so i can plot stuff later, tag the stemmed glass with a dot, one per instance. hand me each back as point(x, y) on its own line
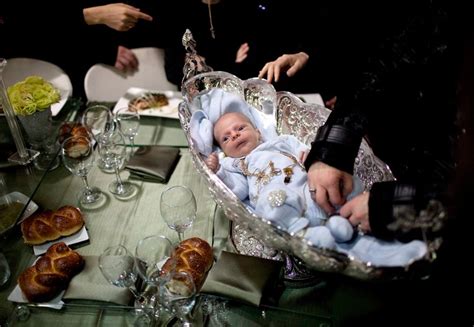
point(112, 151)
point(178, 295)
point(128, 122)
point(78, 157)
point(178, 208)
point(151, 253)
point(98, 119)
point(117, 265)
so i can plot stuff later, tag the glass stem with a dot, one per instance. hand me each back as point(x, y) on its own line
point(86, 184)
point(180, 236)
point(119, 180)
point(132, 142)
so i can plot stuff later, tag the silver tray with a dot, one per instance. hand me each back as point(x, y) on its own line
point(255, 235)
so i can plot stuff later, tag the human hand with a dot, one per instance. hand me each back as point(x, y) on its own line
point(242, 53)
point(303, 155)
point(126, 59)
point(357, 211)
point(118, 16)
point(291, 63)
point(331, 185)
point(212, 162)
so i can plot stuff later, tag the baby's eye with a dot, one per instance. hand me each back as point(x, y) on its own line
point(225, 139)
point(241, 127)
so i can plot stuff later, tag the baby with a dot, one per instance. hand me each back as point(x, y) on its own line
point(271, 177)
point(264, 170)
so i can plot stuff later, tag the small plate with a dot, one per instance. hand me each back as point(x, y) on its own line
point(17, 296)
point(169, 111)
point(17, 197)
point(79, 237)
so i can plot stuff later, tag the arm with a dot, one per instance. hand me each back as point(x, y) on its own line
point(118, 16)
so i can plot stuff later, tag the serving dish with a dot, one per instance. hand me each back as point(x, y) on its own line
point(168, 111)
point(253, 234)
point(17, 69)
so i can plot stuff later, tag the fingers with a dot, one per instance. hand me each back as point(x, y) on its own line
point(346, 186)
point(321, 197)
point(142, 15)
point(126, 59)
point(335, 196)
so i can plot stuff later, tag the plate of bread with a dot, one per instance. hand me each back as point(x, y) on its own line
point(151, 102)
point(47, 279)
point(44, 228)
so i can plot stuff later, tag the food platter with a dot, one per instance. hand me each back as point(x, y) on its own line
point(155, 102)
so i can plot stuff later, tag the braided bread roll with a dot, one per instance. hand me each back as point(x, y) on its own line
point(50, 225)
point(193, 256)
point(51, 273)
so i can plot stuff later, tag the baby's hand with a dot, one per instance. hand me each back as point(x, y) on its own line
point(303, 155)
point(213, 162)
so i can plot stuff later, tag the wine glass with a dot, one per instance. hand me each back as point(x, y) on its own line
point(112, 150)
point(151, 253)
point(178, 295)
point(78, 158)
point(128, 122)
point(117, 265)
point(178, 208)
point(98, 119)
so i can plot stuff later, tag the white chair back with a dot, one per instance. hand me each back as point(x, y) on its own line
point(106, 83)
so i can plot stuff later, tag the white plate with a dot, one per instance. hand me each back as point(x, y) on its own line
point(17, 69)
point(17, 296)
point(19, 197)
point(78, 237)
point(169, 111)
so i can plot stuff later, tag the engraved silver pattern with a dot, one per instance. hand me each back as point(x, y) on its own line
point(255, 235)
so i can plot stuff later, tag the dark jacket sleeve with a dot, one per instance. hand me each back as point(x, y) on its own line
point(393, 58)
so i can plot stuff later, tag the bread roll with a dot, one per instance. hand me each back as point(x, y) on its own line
point(50, 225)
point(72, 129)
point(193, 256)
point(51, 273)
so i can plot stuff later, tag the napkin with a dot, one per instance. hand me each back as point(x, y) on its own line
point(90, 284)
point(245, 278)
point(153, 163)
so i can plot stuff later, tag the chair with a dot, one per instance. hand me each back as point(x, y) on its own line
point(106, 83)
point(17, 69)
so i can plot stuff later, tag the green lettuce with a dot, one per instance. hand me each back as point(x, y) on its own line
point(32, 95)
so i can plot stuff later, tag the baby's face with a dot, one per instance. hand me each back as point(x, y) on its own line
point(236, 135)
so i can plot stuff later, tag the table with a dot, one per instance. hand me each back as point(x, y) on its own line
point(335, 300)
point(125, 222)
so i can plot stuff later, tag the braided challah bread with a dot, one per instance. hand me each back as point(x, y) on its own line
point(51, 273)
point(193, 256)
point(72, 129)
point(51, 225)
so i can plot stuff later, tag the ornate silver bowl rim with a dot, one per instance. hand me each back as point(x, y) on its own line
point(292, 116)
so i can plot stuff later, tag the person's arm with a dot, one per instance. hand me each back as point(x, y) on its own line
point(118, 16)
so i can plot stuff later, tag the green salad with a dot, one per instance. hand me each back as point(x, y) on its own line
point(32, 95)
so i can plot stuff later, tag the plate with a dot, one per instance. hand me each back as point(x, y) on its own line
point(17, 69)
point(169, 111)
point(17, 197)
point(79, 237)
point(17, 296)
